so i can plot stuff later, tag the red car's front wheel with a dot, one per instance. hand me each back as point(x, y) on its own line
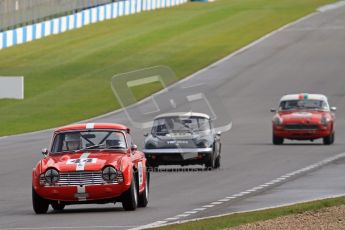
point(39, 204)
point(130, 197)
point(144, 196)
point(329, 139)
point(277, 140)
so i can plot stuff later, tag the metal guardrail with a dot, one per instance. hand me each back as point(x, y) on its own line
point(59, 24)
point(15, 13)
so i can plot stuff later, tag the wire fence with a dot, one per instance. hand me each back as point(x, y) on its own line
point(15, 13)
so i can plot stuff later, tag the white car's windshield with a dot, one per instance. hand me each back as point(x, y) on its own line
point(303, 105)
point(83, 140)
point(163, 126)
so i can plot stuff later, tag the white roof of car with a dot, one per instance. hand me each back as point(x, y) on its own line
point(183, 114)
point(290, 97)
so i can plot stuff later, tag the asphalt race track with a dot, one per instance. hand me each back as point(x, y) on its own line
point(306, 57)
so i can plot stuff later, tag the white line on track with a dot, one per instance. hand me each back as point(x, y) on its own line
point(199, 209)
point(216, 203)
point(72, 227)
point(171, 218)
point(191, 212)
point(332, 6)
point(237, 195)
point(3, 137)
point(192, 86)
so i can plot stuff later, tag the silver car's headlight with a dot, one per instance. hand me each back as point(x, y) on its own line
point(109, 174)
point(203, 144)
point(150, 146)
point(52, 176)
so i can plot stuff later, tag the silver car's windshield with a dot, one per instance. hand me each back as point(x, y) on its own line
point(303, 105)
point(86, 140)
point(166, 125)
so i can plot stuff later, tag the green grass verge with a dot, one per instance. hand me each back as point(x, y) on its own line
point(67, 76)
point(250, 217)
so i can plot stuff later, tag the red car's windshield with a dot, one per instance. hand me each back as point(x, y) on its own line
point(303, 105)
point(82, 140)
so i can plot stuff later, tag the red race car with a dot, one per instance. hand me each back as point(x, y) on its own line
point(90, 163)
point(303, 117)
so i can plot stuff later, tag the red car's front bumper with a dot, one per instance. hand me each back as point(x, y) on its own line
point(320, 132)
point(81, 193)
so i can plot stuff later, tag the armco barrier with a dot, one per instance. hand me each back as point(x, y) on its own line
point(80, 19)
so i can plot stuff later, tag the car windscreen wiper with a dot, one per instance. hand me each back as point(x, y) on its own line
point(115, 147)
point(89, 147)
point(182, 131)
point(160, 133)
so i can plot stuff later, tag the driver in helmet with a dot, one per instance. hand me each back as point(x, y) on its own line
point(73, 141)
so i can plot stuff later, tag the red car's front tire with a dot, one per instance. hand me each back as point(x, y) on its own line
point(39, 204)
point(277, 140)
point(144, 196)
point(130, 197)
point(329, 139)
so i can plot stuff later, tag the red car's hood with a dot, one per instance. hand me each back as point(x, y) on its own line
point(302, 116)
point(89, 161)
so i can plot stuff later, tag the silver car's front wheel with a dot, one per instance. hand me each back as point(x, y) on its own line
point(210, 162)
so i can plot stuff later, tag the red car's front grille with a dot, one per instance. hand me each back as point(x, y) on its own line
point(83, 178)
point(301, 127)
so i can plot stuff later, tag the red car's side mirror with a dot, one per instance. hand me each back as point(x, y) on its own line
point(134, 147)
point(45, 152)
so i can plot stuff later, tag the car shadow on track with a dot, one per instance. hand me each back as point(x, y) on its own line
point(86, 210)
point(302, 144)
point(181, 169)
point(288, 144)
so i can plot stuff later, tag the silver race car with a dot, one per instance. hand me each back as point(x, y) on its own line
point(183, 139)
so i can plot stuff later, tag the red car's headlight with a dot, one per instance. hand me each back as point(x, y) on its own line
point(325, 121)
point(278, 120)
point(51, 176)
point(109, 174)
